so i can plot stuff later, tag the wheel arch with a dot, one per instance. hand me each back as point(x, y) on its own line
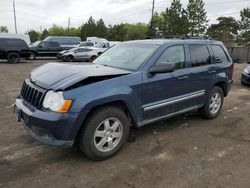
point(223, 86)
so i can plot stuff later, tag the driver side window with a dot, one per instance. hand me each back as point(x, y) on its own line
point(174, 54)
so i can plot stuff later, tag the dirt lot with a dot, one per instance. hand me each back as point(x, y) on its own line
point(186, 151)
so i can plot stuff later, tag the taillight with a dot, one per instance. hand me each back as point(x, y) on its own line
point(232, 70)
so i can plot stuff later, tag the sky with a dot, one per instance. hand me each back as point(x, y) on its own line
point(40, 14)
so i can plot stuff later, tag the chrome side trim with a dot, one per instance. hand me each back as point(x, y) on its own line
point(173, 100)
point(168, 116)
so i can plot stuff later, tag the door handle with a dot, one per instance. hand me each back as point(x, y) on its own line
point(183, 77)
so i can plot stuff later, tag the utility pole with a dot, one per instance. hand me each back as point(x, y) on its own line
point(14, 9)
point(68, 23)
point(151, 32)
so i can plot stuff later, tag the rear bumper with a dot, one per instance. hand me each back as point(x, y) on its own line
point(48, 127)
point(229, 85)
point(245, 78)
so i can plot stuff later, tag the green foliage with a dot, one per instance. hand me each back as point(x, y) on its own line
point(34, 35)
point(93, 28)
point(244, 37)
point(4, 29)
point(197, 17)
point(171, 22)
point(135, 31)
point(225, 30)
point(56, 31)
point(44, 34)
point(117, 32)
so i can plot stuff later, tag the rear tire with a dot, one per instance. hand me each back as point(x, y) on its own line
point(13, 57)
point(104, 133)
point(214, 103)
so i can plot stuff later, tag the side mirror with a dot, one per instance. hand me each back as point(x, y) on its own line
point(40, 46)
point(162, 68)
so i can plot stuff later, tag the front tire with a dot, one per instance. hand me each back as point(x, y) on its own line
point(105, 133)
point(213, 106)
point(32, 56)
point(13, 58)
point(69, 58)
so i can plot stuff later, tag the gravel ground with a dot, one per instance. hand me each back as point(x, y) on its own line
point(186, 151)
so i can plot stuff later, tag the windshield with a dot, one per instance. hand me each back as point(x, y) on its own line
point(36, 43)
point(129, 56)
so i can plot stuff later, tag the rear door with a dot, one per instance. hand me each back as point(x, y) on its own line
point(53, 48)
point(201, 72)
point(165, 94)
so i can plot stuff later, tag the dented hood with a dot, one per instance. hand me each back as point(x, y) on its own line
point(57, 76)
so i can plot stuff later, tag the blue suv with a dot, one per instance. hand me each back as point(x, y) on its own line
point(132, 84)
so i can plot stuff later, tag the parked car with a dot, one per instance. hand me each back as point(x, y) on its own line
point(64, 40)
point(95, 40)
point(96, 104)
point(83, 44)
point(45, 49)
point(13, 49)
point(245, 77)
point(78, 54)
point(24, 37)
point(100, 47)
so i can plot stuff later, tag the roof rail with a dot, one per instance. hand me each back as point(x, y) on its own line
point(195, 37)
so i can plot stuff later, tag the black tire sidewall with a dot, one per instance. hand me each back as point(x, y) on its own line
point(34, 56)
point(13, 54)
point(86, 140)
point(69, 59)
point(93, 58)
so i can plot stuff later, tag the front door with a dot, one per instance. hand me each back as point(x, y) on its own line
point(166, 93)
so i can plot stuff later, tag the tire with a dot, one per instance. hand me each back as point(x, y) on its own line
point(99, 139)
point(69, 58)
point(13, 57)
point(93, 58)
point(214, 104)
point(100, 53)
point(32, 56)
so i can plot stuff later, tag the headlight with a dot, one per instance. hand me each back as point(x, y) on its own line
point(246, 71)
point(55, 102)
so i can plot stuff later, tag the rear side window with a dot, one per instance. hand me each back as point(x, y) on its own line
point(174, 54)
point(199, 55)
point(219, 54)
point(21, 44)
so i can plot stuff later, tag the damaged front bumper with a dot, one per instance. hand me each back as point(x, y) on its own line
point(47, 127)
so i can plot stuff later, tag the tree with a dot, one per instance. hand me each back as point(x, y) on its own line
point(4, 29)
point(56, 31)
point(117, 32)
point(173, 21)
point(88, 29)
point(135, 31)
point(244, 37)
point(197, 17)
point(34, 35)
point(226, 30)
point(44, 34)
point(101, 29)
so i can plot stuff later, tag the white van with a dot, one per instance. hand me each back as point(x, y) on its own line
point(24, 37)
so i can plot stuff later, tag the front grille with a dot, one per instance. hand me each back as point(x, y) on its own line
point(32, 95)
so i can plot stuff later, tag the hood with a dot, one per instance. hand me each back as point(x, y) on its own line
point(57, 76)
